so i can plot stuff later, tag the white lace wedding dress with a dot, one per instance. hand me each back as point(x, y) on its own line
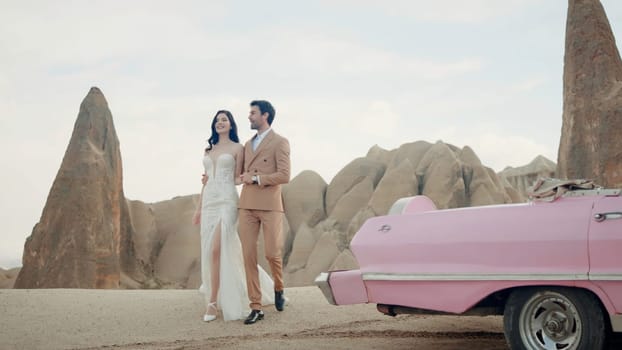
point(220, 205)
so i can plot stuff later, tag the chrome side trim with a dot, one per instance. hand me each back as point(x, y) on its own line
point(322, 281)
point(605, 277)
point(373, 276)
point(616, 322)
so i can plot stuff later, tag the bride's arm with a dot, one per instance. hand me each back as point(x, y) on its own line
point(239, 164)
point(196, 218)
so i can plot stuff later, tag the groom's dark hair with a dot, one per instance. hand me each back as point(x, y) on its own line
point(265, 107)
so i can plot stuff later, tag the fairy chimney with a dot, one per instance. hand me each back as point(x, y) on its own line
point(85, 221)
point(592, 115)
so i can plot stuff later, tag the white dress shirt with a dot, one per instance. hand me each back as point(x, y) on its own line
point(257, 140)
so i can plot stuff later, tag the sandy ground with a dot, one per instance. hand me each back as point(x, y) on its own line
point(171, 319)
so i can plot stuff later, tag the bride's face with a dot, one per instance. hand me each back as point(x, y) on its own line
point(223, 126)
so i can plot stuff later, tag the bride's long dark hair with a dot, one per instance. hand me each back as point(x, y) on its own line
point(233, 133)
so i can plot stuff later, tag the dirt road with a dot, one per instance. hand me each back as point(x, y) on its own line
point(171, 319)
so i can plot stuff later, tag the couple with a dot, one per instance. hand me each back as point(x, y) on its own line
point(229, 272)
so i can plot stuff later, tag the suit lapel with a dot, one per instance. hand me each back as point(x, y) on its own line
point(248, 154)
point(265, 144)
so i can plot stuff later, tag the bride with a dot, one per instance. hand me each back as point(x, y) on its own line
point(222, 263)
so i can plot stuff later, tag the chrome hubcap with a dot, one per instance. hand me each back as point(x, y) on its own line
point(550, 321)
point(555, 325)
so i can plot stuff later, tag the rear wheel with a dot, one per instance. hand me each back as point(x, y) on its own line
point(553, 318)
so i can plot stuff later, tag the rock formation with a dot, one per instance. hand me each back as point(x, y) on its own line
point(7, 277)
point(91, 236)
point(592, 116)
point(167, 245)
point(398, 181)
point(442, 177)
point(351, 175)
point(351, 202)
point(303, 198)
point(83, 235)
point(522, 178)
point(344, 261)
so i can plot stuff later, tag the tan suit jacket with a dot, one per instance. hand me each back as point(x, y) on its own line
point(270, 161)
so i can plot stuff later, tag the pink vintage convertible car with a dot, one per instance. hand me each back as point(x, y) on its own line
point(552, 268)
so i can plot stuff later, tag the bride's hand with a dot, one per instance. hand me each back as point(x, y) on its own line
point(204, 179)
point(196, 218)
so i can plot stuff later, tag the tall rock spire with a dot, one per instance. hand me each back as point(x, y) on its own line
point(592, 116)
point(77, 242)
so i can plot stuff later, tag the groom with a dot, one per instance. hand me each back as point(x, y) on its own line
point(266, 167)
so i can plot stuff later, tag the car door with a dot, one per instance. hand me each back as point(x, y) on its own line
point(605, 247)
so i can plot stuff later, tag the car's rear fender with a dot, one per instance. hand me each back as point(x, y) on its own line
point(343, 287)
point(460, 296)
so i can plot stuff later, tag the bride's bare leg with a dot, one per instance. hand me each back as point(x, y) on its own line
point(215, 270)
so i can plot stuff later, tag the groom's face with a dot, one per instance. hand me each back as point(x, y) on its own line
point(256, 118)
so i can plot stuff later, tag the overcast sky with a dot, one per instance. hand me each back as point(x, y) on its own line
point(343, 75)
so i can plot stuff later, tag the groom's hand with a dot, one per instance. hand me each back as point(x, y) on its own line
point(246, 178)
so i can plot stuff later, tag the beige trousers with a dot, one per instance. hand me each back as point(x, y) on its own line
point(272, 224)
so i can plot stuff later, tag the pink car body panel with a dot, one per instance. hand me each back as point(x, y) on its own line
point(449, 260)
point(605, 250)
point(351, 288)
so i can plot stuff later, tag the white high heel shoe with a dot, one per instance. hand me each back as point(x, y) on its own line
point(207, 317)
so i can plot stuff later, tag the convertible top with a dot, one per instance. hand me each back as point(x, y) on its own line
point(549, 189)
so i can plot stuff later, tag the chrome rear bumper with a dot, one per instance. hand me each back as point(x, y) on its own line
point(322, 282)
